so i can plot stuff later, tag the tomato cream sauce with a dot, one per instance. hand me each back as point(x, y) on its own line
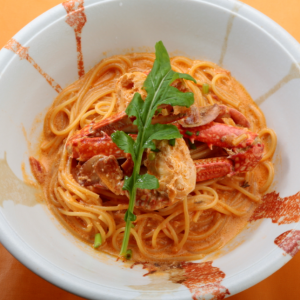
point(230, 224)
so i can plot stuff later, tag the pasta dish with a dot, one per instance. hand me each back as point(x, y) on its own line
point(193, 182)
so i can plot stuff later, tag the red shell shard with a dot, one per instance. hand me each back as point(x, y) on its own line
point(85, 148)
point(289, 242)
point(218, 134)
point(212, 168)
point(203, 279)
point(38, 170)
point(279, 210)
point(247, 160)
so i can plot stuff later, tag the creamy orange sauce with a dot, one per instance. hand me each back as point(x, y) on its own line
point(230, 226)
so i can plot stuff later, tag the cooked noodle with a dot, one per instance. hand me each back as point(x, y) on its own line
point(188, 230)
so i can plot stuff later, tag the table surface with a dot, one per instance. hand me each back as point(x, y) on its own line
point(18, 283)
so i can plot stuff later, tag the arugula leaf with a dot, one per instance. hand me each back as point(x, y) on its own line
point(125, 142)
point(147, 181)
point(161, 132)
point(128, 183)
point(159, 91)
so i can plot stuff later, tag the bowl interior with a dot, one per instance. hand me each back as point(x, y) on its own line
point(228, 34)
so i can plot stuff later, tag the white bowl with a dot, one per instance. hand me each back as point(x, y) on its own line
point(258, 52)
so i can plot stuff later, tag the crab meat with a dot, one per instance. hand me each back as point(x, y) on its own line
point(243, 146)
point(172, 166)
point(174, 169)
point(126, 86)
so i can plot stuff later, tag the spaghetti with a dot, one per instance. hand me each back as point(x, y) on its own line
point(189, 229)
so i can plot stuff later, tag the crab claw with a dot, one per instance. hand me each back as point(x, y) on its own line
point(244, 147)
point(221, 135)
point(94, 138)
point(84, 148)
point(241, 162)
point(245, 161)
point(199, 116)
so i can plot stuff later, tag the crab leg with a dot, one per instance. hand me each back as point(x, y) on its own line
point(243, 145)
point(85, 148)
point(94, 138)
point(210, 168)
point(243, 157)
point(218, 134)
point(242, 162)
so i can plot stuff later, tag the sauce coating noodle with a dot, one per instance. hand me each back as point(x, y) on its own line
point(200, 223)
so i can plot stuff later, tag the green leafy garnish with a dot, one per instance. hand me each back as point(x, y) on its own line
point(159, 91)
point(172, 142)
point(98, 240)
point(151, 156)
point(191, 145)
point(205, 88)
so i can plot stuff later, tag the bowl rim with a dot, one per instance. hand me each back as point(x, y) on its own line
point(54, 274)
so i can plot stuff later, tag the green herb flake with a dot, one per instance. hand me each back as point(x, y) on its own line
point(189, 133)
point(193, 146)
point(155, 150)
point(151, 156)
point(159, 92)
point(197, 133)
point(98, 240)
point(205, 88)
point(172, 142)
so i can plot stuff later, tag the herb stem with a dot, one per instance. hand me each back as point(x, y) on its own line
point(159, 91)
point(136, 170)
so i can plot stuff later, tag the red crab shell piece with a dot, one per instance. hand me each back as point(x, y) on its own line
point(218, 134)
point(245, 161)
point(110, 174)
point(109, 125)
point(85, 148)
point(103, 172)
point(210, 168)
point(94, 139)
